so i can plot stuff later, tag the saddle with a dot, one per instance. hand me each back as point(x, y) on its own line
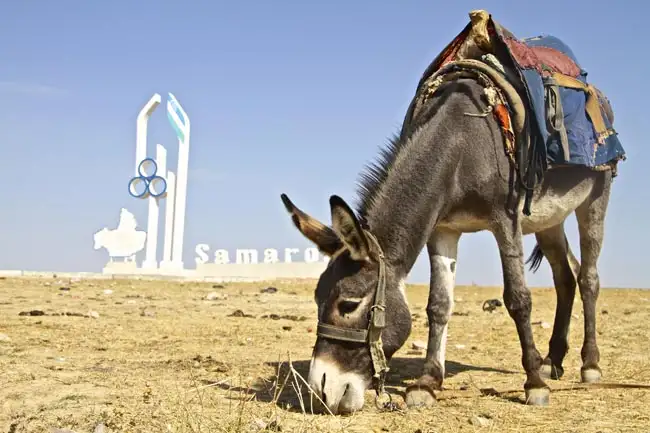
point(569, 117)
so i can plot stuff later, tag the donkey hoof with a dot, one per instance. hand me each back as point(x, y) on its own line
point(538, 396)
point(549, 371)
point(590, 375)
point(419, 397)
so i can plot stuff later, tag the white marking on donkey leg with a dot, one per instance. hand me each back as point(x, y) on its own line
point(548, 371)
point(590, 375)
point(447, 268)
point(441, 301)
point(545, 371)
point(538, 396)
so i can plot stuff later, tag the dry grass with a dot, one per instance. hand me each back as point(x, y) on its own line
point(161, 358)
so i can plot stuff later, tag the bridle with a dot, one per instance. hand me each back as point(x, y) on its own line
point(372, 335)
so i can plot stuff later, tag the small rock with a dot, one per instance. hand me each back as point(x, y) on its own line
point(419, 345)
point(75, 280)
point(269, 290)
point(545, 325)
point(491, 304)
point(240, 313)
point(310, 330)
point(108, 292)
point(4, 337)
point(293, 318)
point(100, 428)
point(267, 426)
point(286, 328)
point(479, 421)
point(575, 316)
point(32, 313)
point(131, 301)
point(93, 314)
point(605, 312)
point(146, 313)
point(460, 346)
point(214, 296)
point(218, 286)
point(64, 289)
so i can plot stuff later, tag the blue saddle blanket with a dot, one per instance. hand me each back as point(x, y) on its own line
point(584, 148)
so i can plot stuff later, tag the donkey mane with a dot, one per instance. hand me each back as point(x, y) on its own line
point(376, 172)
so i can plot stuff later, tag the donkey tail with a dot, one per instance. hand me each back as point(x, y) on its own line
point(535, 259)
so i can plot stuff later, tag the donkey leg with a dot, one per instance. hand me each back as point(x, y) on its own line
point(591, 226)
point(517, 299)
point(442, 248)
point(565, 267)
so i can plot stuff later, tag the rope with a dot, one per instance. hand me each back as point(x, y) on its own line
point(483, 392)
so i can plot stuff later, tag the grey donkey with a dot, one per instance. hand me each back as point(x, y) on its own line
point(447, 177)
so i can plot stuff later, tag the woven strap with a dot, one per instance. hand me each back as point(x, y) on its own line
point(345, 334)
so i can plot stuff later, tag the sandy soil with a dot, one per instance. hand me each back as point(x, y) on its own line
point(136, 356)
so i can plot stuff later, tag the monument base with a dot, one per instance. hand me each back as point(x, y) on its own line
point(226, 272)
point(261, 271)
point(120, 267)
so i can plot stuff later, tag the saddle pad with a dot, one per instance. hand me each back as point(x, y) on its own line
point(534, 59)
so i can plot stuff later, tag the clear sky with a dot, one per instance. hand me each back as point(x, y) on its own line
point(283, 96)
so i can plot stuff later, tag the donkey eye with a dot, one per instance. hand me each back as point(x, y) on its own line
point(348, 306)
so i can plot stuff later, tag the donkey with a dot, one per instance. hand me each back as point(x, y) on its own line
point(449, 176)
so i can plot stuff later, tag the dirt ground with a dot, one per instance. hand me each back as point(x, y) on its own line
point(157, 356)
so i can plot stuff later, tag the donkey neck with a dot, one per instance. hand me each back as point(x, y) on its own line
point(410, 198)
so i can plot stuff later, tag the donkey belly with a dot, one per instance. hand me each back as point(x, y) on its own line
point(559, 199)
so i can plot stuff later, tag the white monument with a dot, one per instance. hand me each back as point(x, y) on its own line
point(153, 181)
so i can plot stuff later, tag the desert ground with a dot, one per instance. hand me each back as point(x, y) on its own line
point(161, 356)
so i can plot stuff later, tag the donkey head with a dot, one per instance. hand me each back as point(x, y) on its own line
point(341, 370)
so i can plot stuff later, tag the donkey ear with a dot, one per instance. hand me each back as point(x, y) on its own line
point(347, 227)
point(324, 237)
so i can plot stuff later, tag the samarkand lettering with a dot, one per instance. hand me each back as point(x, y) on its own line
point(252, 256)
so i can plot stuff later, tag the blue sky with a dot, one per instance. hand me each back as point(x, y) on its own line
point(280, 95)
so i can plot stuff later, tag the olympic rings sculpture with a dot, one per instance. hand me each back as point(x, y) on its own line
point(147, 183)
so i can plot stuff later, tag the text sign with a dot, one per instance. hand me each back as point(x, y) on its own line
point(246, 256)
